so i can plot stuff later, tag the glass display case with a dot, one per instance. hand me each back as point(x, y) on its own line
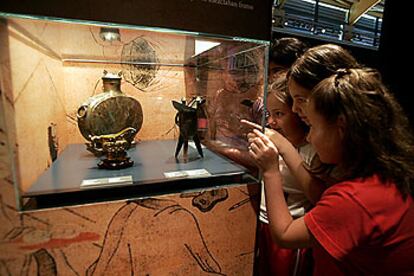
point(99, 111)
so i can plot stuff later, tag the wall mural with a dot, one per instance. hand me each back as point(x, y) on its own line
point(134, 56)
point(191, 233)
point(140, 57)
point(161, 217)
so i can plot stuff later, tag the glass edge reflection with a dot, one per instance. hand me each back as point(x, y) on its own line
point(132, 27)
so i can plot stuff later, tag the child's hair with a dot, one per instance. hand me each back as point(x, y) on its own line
point(377, 135)
point(320, 62)
point(279, 89)
point(284, 51)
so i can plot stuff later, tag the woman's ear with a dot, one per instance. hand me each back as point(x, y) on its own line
point(341, 124)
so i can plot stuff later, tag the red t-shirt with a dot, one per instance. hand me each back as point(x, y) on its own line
point(363, 227)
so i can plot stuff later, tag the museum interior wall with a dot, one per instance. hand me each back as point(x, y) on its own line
point(48, 69)
point(49, 58)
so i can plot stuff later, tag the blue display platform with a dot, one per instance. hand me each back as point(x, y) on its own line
point(155, 169)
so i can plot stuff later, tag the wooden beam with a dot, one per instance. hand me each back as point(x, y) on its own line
point(359, 8)
point(336, 3)
point(375, 13)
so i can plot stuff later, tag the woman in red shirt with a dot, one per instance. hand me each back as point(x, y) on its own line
point(364, 224)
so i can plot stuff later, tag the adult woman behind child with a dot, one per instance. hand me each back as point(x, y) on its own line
point(283, 53)
point(363, 224)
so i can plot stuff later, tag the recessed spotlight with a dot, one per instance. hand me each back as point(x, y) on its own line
point(109, 34)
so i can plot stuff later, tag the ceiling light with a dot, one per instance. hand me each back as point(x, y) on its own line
point(109, 34)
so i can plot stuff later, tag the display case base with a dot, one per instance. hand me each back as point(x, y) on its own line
point(75, 178)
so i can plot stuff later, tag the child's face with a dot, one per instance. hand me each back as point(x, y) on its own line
point(284, 120)
point(300, 99)
point(325, 137)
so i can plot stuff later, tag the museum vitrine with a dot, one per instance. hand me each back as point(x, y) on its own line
point(93, 106)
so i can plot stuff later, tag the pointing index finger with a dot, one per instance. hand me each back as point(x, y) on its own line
point(250, 124)
point(259, 133)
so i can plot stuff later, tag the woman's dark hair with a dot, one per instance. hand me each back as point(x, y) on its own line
point(284, 51)
point(320, 62)
point(377, 136)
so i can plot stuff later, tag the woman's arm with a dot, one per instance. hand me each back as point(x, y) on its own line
point(285, 231)
point(311, 186)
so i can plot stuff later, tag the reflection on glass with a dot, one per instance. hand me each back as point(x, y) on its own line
point(51, 67)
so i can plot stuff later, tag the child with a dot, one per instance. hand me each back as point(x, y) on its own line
point(272, 259)
point(363, 224)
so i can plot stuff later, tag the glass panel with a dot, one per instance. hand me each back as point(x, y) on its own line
point(91, 105)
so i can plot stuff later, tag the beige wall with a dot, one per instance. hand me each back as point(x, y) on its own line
point(46, 82)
